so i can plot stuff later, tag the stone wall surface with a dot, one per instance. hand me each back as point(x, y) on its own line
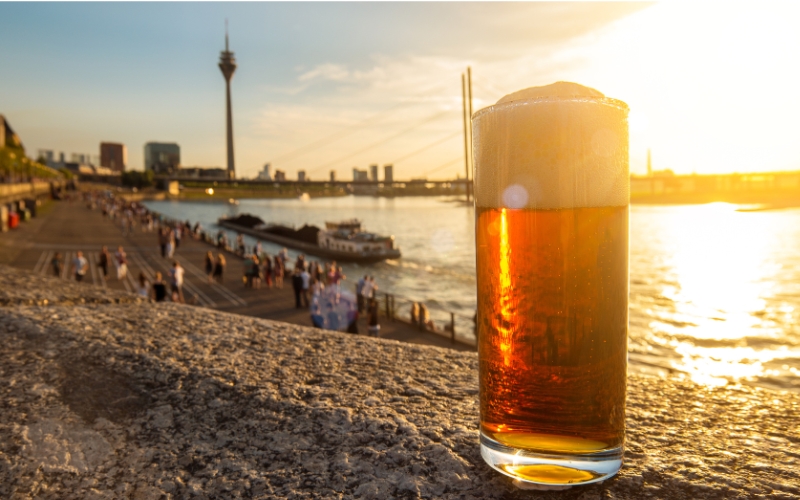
point(117, 398)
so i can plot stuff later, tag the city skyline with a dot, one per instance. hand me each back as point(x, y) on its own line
point(385, 77)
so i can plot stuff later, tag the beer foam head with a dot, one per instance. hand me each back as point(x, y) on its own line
point(558, 146)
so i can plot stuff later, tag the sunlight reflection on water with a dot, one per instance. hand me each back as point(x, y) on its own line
point(718, 288)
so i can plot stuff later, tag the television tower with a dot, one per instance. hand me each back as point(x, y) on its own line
point(227, 63)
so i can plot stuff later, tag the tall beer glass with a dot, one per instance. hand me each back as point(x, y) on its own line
point(551, 196)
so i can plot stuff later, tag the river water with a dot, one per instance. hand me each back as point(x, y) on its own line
point(715, 289)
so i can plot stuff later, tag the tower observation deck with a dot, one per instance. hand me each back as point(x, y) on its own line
point(227, 63)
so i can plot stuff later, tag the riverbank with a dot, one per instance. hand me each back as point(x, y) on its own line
point(72, 227)
point(109, 397)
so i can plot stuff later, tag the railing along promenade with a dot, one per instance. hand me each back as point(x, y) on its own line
point(417, 315)
point(14, 191)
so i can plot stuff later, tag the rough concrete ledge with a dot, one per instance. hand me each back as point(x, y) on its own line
point(151, 401)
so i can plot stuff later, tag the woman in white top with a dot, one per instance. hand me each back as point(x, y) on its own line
point(121, 259)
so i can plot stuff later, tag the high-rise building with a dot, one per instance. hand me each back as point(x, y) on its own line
point(114, 156)
point(162, 158)
point(301, 176)
point(388, 173)
point(227, 63)
point(333, 175)
point(280, 175)
point(360, 175)
point(264, 175)
point(81, 158)
point(373, 173)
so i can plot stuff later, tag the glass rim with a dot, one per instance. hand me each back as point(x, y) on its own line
point(607, 101)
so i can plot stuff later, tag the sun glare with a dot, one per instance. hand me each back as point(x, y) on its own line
point(721, 278)
point(711, 86)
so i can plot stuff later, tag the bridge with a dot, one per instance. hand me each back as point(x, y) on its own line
point(213, 182)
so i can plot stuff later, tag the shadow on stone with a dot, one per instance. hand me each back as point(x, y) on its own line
point(95, 392)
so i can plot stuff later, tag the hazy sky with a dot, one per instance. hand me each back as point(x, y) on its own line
point(712, 87)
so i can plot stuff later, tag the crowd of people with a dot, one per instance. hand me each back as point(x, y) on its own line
point(131, 216)
point(308, 279)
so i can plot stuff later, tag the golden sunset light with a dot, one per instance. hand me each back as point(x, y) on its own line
point(399, 250)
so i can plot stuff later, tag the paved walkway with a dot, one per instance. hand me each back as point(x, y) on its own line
point(70, 227)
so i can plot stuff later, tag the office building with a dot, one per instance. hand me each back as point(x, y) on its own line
point(301, 176)
point(114, 156)
point(373, 173)
point(48, 155)
point(280, 175)
point(360, 175)
point(264, 175)
point(333, 175)
point(162, 158)
point(388, 173)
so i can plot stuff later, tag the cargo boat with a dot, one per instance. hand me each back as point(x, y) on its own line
point(342, 241)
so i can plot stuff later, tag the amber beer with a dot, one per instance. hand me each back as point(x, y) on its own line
point(551, 187)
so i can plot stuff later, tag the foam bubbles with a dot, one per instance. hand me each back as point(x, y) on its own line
point(559, 146)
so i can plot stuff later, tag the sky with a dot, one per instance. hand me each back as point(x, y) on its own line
point(712, 87)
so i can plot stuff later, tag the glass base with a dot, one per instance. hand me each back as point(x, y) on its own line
point(550, 471)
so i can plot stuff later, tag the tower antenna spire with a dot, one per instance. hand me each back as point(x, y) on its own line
point(227, 64)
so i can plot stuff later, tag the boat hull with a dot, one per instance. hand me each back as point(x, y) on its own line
point(310, 249)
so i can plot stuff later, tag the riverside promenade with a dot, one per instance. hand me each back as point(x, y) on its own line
point(106, 396)
point(69, 227)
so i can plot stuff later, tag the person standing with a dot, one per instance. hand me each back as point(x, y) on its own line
point(338, 276)
point(80, 266)
point(178, 234)
point(159, 289)
point(176, 281)
point(170, 242)
point(210, 266)
point(143, 288)
point(360, 292)
point(219, 267)
point(268, 270)
point(57, 263)
point(247, 271)
point(316, 288)
point(122, 263)
point(373, 288)
point(104, 260)
point(278, 271)
point(162, 241)
point(255, 280)
point(297, 285)
point(284, 255)
point(306, 279)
